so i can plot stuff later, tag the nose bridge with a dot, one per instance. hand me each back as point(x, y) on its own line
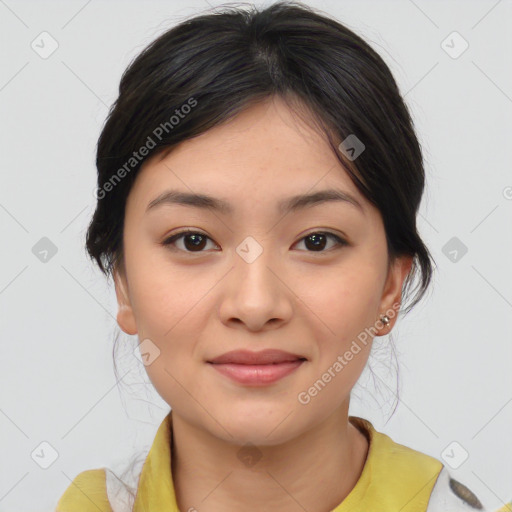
point(255, 293)
point(252, 264)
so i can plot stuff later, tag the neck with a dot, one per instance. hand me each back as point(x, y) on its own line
point(315, 471)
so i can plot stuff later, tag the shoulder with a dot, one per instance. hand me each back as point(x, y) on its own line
point(391, 460)
point(443, 492)
point(87, 492)
point(399, 469)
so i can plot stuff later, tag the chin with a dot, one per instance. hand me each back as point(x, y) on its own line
point(262, 425)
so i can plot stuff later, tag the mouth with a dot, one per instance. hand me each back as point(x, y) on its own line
point(257, 368)
point(263, 357)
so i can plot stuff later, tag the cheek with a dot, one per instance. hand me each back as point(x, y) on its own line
point(343, 300)
point(171, 310)
point(161, 295)
point(169, 313)
point(341, 307)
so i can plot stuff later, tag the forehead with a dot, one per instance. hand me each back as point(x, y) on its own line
point(267, 152)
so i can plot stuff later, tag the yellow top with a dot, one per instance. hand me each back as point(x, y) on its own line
point(394, 478)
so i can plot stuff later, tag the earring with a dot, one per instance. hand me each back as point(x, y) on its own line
point(385, 320)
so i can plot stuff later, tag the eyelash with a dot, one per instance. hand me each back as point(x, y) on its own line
point(340, 242)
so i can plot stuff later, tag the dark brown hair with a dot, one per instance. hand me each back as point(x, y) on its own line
point(209, 68)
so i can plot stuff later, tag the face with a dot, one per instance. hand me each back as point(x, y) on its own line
point(254, 275)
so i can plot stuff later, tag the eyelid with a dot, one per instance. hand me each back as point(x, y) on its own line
point(169, 240)
point(317, 231)
point(339, 240)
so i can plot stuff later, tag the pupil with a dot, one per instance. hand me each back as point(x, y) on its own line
point(197, 241)
point(318, 241)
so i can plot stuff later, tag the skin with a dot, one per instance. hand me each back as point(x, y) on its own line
point(196, 305)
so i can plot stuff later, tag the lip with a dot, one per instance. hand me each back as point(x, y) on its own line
point(257, 374)
point(257, 368)
point(263, 357)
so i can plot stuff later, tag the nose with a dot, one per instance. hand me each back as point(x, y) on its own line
point(255, 294)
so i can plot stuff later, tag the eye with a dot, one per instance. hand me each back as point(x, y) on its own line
point(194, 241)
point(317, 241)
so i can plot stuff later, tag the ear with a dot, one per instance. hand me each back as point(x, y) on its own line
point(125, 316)
point(392, 292)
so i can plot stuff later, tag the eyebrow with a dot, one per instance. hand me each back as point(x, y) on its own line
point(285, 206)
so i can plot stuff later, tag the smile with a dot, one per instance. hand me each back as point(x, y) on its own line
point(257, 374)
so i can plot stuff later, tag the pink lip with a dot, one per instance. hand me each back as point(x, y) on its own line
point(262, 357)
point(257, 374)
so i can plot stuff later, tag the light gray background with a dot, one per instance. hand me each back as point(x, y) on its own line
point(58, 318)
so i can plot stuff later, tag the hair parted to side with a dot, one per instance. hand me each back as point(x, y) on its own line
point(212, 66)
point(222, 62)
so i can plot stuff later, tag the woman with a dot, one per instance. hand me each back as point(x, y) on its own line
point(258, 184)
